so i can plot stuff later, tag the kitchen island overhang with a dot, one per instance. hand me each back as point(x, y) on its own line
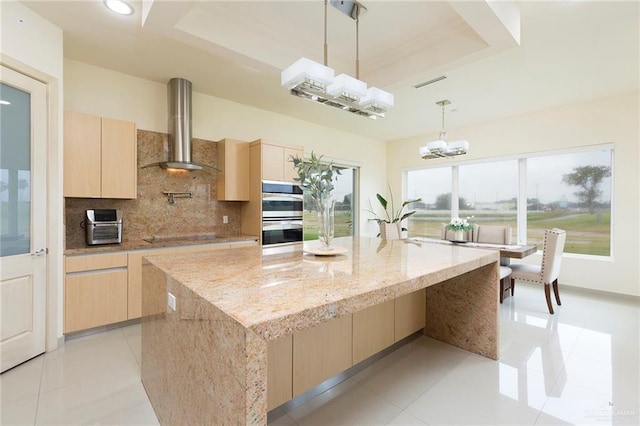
point(206, 362)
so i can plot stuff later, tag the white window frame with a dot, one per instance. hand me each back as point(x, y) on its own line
point(521, 216)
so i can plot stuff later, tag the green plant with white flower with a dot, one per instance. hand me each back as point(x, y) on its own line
point(458, 224)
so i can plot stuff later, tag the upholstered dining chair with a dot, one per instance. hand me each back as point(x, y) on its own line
point(495, 234)
point(547, 273)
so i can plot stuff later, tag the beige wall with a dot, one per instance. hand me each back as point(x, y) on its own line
point(103, 92)
point(612, 120)
point(33, 46)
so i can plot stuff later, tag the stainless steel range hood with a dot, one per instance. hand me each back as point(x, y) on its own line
point(179, 95)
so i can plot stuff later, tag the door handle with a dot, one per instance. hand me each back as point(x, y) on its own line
point(40, 252)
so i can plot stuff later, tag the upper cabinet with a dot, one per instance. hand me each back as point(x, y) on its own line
point(99, 157)
point(268, 161)
point(275, 162)
point(233, 177)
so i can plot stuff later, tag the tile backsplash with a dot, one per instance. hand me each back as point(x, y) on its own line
point(151, 214)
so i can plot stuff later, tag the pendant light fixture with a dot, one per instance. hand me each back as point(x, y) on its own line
point(441, 148)
point(310, 80)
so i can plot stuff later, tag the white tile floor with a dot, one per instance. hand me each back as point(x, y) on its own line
point(580, 366)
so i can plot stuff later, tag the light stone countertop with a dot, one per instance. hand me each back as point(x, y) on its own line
point(145, 245)
point(280, 291)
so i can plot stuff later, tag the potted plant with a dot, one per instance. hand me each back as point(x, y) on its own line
point(391, 222)
point(460, 227)
point(317, 178)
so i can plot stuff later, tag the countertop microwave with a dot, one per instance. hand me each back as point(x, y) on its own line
point(103, 226)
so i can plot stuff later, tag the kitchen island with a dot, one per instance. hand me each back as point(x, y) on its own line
point(206, 361)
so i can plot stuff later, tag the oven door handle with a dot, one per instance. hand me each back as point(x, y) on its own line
point(282, 197)
point(281, 225)
point(282, 219)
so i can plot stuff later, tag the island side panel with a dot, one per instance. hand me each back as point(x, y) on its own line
point(199, 366)
point(463, 311)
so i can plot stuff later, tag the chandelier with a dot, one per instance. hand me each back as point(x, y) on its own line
point(441, 148)
point(316, 82)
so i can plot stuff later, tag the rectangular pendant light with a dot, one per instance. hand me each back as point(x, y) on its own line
point(306, 71)
point(377, 99)
point(348, 87)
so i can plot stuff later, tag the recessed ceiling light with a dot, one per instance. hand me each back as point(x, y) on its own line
point(119, 6)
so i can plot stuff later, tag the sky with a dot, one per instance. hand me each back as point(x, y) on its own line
point(498, 180)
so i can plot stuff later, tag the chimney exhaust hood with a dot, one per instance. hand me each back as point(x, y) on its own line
point(179, 95)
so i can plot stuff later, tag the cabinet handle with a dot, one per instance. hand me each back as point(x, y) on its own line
point(40, 252)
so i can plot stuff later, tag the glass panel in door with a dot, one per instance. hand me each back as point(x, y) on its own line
point(15, 171)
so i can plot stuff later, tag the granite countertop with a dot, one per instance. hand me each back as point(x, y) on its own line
point(277, 291)
point(158, 242)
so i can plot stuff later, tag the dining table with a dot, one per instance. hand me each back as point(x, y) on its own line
point(507, 252)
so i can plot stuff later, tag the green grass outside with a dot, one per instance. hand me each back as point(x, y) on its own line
point(341, 221)
point(586, 233)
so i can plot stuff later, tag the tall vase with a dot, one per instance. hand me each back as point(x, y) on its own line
point(458, 235)
point(325, 204)
point(390, 231)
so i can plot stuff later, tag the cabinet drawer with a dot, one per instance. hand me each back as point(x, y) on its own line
point(95, 261)
point(95, 299)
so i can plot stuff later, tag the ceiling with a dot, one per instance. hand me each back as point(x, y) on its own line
point(499, 58)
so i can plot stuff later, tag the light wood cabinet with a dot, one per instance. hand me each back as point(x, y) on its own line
point(298, 362)
point(267, 161)
point(100, 157)
point(91, 262)
point(119, 159)
point(106, 288)
point(82, 155)
point(279, 371)
point(410, 313)
point(321, 352)
point(274, 160)
point(288, 170)
point(373, 330)
point(95, 291)
point(134, 280)
point(233, 179)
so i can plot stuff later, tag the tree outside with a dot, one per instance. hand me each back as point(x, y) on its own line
point(588, 178)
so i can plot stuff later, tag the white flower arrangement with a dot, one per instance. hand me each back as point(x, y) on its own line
point(458, 224)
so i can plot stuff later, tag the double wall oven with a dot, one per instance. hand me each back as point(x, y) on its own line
point(281, 213)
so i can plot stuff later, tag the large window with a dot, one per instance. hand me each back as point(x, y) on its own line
point(434, 187)
point(488, 193)
point(571, 191)
point(345, 193)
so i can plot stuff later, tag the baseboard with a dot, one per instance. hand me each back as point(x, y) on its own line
point(82, 333)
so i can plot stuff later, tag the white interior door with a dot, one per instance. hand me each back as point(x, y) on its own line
point(23, 209)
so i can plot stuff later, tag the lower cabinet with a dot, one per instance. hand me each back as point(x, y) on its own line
point(106, 288)
point(321, 352)
point(298, 362)
point(373, 330)
point(410, 314)
point(279, 371)
point(134, 288)
point(95, 291)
